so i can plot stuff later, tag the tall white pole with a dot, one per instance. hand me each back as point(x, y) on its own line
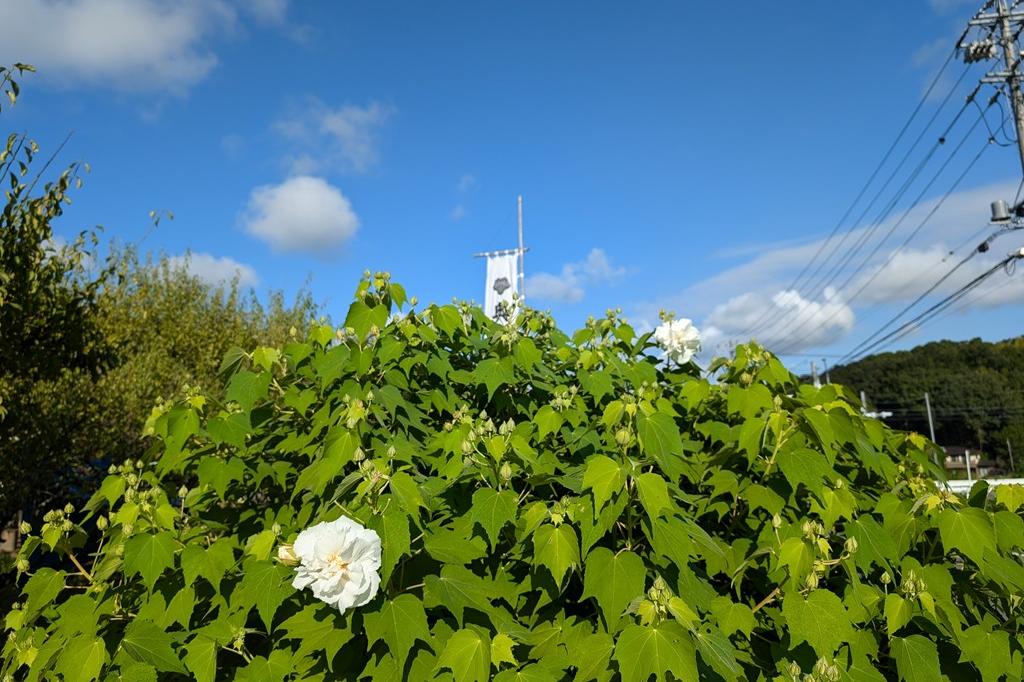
point(522, 275)
point(931, 424)
point(967, 460)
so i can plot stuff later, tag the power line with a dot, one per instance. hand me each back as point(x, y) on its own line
point(981, 248)
point(805, 318)
point(937, 308)
point(874, 174)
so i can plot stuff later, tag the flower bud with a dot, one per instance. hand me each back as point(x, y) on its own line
point(286, 555)
point(112, 469)
point(886, 578)
point(505, 472)
point(776, 521)
point(276, 529)
point(183, 491)
point(69, 508)
point(851, 545)
point(25, 528)
point(811, 581)
point(358, 455)
point(622, 437)
point(392, 451)
point(127, 530)
point(101, 523)
point(21, 564)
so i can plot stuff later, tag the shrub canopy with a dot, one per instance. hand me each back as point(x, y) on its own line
point(550, 508)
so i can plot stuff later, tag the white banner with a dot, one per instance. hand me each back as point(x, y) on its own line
point(502, 281)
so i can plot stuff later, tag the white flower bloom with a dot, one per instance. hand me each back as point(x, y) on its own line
point(679, 339)
point(338, 561)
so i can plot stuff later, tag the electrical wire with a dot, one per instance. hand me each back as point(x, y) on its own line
point(822, 284)
point(937, 308)
point(981, 248)
point(874, 174)
point(801, 323)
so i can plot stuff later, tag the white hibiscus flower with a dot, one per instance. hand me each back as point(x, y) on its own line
point(338, 560)
point(679, 339)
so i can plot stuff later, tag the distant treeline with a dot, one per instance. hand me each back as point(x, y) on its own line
point(976, 390)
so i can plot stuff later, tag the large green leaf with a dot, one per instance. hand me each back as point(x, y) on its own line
point(42, 588)
point(659, 438)
point(653, 494)
point(820, 620)
point(556, 548)
point(644, 651)
point(456, 589)
point(264, 585)
point(82, 659)
point(604, 477)
point(149, 555)
point(399, 623)
point(468, 655)
point(201, 658)
point(493, 510)
point(393, 528)
point(147, 643)
point(361, 318)
point(917, 658)
point(968, 530)
point(613, 580)
point(247, 387)
point(210, 562)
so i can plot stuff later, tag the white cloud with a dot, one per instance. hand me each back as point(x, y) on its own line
point(458, 213)
point(818, 322)
point(345, 136)
point(135, 45)
point(214, 270)
point(570, 285)
point(126, 44)
point(731, 301)
point(466, 183)
point(911, 272)
point(267, 11)
point(302, 213)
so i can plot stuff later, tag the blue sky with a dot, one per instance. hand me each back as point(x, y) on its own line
point(671, 155)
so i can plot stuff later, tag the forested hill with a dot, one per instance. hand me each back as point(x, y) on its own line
point(976, 390)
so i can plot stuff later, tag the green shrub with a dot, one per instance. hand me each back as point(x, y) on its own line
point(549, 508)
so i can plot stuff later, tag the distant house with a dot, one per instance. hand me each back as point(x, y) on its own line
point(958, 457)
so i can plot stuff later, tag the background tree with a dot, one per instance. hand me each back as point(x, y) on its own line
point(88, 348)
point(975, 389)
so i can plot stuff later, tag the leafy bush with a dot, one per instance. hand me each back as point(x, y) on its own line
point(550, 508)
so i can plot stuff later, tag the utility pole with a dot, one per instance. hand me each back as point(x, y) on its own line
point(1002, 22)
point(1009, 450)
point(814, 375)
point(522, 251)
point(828, 380)
point(931, 424)
point(1011, 57)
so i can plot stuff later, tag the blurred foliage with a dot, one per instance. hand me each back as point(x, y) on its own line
point(975, 388)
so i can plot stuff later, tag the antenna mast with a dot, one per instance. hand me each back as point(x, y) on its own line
point(522, 251)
